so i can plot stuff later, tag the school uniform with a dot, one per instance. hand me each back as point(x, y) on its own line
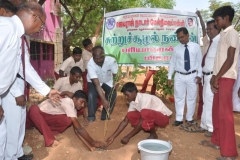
point(206, 118)
point(223, 120)
point(51, 120)
point(184, 80)
point(15, 116)
point(105, 76)
point(86, 56)
point(151, 71)
point(150, 109)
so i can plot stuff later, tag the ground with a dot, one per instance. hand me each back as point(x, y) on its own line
point(185, 145)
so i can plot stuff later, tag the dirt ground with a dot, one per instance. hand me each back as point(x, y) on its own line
point(185, 144)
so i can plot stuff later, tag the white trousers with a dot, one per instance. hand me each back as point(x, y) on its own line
point(12, 128)
point(206, 119)
point(185, 85)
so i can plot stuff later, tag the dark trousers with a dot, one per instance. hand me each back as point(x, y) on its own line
point(110, 95)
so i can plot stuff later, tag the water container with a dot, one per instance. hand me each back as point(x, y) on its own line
point(154, 149)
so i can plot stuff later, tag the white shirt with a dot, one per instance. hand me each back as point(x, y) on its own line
point(209, 60)
point(10, 53)
point(177, 60)
point(104, 73)
point(32, 78)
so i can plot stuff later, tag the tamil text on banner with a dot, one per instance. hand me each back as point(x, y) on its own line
point(147, 34)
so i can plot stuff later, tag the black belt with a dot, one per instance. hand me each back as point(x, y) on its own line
point(18, 76)
point(206, 74)
point(187, 72)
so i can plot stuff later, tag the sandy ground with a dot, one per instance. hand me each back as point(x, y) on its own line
point(185, 144)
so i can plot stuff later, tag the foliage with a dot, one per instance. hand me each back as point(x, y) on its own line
point(161, 79)
point(215, 4)
point(82, 16)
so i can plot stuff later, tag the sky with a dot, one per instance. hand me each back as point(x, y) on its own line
point(192, 5)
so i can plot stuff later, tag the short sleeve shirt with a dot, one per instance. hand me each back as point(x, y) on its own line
point(104, 73)
point(228, 38)
point(147, 101)
point(63, 84)
point(69, 63)
point(67, 107)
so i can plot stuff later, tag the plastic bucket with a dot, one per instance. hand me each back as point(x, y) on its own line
point(153, 149)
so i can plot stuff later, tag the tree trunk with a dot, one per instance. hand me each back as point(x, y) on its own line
point(66, 51)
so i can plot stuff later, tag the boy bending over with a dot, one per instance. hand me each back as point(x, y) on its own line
point(51, 120)
point(145, 112)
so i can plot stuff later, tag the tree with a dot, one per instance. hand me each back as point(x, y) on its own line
point(81, 17)
point(215, 4)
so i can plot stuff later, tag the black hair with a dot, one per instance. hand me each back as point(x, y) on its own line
point(86, 42)
point(224, 11)
point(212, 21)
point(77, 50)
point(97, 47)
point(190, 19)
point(80, 94)
point(129, 86)
point(75, 70)
point(33, 6)
point(7, 5)
point(182, 29)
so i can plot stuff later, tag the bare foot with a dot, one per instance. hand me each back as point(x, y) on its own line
point(153, 136)
point(58, 137)
point(55, 143)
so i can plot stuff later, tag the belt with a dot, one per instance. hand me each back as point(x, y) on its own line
point(187, 72)
point(18, 76)
point(206, 74)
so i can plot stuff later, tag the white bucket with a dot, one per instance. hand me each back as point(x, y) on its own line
point(153, 149)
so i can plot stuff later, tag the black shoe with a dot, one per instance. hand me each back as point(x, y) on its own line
point(177, 123)
point(26, 157)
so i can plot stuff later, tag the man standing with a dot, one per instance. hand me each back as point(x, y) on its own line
point(101, 72)
point(186, 61)
point(210, 50)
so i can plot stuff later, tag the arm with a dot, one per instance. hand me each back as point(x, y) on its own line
point(61, 73)
point(16, 92)
point(171, 67)
point(120, 128)
point(199, 67)
point(63, 68)
point(202, 23)
point(97, 32)
point(80, 131)
point(67, 93)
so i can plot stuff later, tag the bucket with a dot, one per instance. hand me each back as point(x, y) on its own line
point(153, 149)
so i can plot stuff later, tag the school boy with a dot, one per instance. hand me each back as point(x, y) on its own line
point(50, 120)
point(222, 81)
point(145, 112)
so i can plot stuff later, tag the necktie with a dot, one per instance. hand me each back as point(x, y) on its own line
point(186, 59)
point(204, 57)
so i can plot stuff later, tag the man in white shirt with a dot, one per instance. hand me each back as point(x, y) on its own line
point(210, 50)
point(101, 72)
point(186, 61)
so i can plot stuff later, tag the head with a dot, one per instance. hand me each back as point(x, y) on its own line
point(182, 35)
point(7, 9)
point(98, 56)
point(223, 16)
point(77, 54)
point(79, 99)
point(190, 22)
point(32, 16)
point(212, 30)
point(87, 44)
point(129, 90)
point(75, 74)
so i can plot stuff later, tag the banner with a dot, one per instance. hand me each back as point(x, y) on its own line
point(147, 34)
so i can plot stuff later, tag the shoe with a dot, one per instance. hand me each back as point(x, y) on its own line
point(208, 134)
point(26, 157)
point(177, 123)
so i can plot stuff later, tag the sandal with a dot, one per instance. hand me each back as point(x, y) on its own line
point(226, 158)
point(209, 144)
point(187, 124)
point(194, 129)
point(208, 134)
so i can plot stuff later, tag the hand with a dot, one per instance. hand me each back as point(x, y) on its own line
point(1, 113)
point(99, 144)
point(105, 104)
point(198, 13)
point(109, 141)
point(125, 140)
point(198, 80)
point(21, 100)
point(239, 92)
point(54, 96)
point(169, 83)
point(116, 85)
point(214, 84)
